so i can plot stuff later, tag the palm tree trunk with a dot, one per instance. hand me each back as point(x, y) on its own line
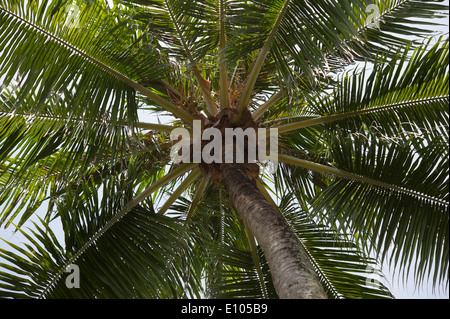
point(292, 272)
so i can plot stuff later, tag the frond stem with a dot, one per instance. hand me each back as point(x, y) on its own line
point(324, 169)
point(285, 128)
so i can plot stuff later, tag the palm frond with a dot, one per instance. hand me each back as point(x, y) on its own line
point(148, 247)
point(240, 277)
point(238, 270)
point(342, 266)
point(93, 51)
point(387, 26)
point(412, 223)
point(410, 88)
point(364, 155)
point(141, 252)
point(40, 150)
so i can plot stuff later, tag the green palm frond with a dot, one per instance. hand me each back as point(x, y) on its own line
point(387, 26)
point(104, 49)
point(40, 70)
point(390, 129)
point(411, 162)
point(141, 252)
point(234, 273)
point(391, 126)
point(405, 90)
point(363, 150)
point(40, 151)
point(239, 276)
point(338, 261)
point(140, 243)
point(410, 88)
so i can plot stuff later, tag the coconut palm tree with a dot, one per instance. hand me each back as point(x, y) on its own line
point(91, 91)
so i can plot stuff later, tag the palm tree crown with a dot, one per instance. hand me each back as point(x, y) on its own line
point(358, 91)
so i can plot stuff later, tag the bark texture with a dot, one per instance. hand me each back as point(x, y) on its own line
point(292, 272)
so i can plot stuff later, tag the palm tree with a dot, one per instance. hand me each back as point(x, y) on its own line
point(357, 90)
